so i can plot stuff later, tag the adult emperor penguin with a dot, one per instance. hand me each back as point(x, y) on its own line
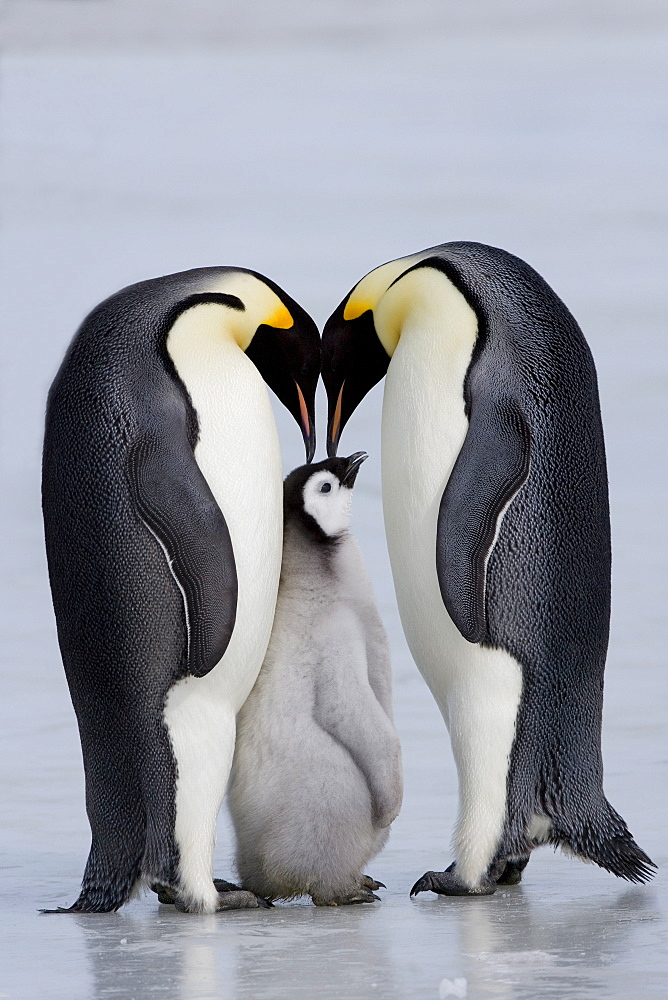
point(316, 779)
point(162, 497)
point(496, 512)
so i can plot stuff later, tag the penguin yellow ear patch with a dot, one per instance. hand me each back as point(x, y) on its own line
point(355, 308)
point(280, 318)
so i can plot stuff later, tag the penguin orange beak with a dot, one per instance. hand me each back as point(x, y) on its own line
point(335, 426)
point(353, 361)
point(307, 424)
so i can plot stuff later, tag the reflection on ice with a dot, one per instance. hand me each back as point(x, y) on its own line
point(563, 936)
point(522, 946)
point(157, 952)
point(292, 951)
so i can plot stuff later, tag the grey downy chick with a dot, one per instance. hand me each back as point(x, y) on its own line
point(316, 779)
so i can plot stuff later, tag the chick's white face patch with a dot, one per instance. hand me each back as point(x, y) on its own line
point(328, 502)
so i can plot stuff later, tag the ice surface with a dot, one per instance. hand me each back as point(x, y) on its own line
point(312, 142)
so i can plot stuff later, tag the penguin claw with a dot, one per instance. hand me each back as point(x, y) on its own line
point(242, 899)
point(168, 896)
point(361, 896)
point(423, 884)
point(231, 899)
point(447, 884)
point(371, 883)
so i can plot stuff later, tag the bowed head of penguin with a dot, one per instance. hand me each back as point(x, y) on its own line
point(162, 501)
point(496, 511)
point(316, 779)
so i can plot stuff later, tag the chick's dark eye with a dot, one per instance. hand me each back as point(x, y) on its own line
point(325, 488)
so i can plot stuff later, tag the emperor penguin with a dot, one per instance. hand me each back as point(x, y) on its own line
point(496, 512)
point(163, 521)
point(316, 779)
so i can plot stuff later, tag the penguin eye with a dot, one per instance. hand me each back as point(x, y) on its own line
point(325, 488)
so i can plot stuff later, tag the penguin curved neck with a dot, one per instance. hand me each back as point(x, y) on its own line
point(422, 300)
point(206, 327)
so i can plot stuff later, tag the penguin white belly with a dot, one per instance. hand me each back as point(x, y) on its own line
point(477, 689)
point(239, 456)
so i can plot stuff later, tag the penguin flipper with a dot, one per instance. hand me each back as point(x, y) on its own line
point(491, 468)
point(346, 708)
point(177, 506)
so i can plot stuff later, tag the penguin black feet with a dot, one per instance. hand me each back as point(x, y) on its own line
point(236, 899)
point(364, 894)
point(512, 873)
point(507, 871)
point(447, 884)
point(231, 897)
point(358, 896)
point(370, 883)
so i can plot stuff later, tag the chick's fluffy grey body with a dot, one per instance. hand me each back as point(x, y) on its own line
point(316, 779)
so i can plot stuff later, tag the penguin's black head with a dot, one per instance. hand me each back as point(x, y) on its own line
point(273, 330)
point(356, 348)
point(353, 361)
point(286, 352)
point(318, 497)
point(362, 334)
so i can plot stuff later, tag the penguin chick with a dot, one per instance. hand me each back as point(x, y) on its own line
point(316, 779)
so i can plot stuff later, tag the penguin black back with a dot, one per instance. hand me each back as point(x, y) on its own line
point(476, 339)
point(141, 563)
point(549, 569)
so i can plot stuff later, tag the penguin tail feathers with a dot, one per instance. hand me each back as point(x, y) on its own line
point(110, 879)
point(107, 896)
point(97, 899)
point(606, 840)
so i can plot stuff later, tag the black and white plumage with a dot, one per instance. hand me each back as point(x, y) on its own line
point(496, 509)
point(163, 520)
point(316, 779)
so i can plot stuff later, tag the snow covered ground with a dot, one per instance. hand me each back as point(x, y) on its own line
point(312, 141)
